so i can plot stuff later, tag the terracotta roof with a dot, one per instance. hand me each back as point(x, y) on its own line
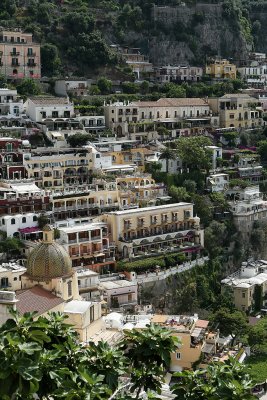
point(201, 323)
point(49, 100)
point(37, 299)
point(173, 102)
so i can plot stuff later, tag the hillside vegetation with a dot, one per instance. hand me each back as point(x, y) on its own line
point(76, 34)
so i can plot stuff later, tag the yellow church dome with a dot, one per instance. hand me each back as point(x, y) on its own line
point(49, 259)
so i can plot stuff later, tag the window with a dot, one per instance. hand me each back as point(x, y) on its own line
point(178, 356)
point(92, 314)
point(24, 220)
point(232, 116)
point(3, 221)
point(15, 279)
point(34, 218)
point(70, 288)
point(54, 114)
point(30, 52)
point(13, 221)
point(243, 295)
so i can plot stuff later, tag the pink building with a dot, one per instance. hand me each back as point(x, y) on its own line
point(19, 55)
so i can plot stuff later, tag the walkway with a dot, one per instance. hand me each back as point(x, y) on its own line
point(161, 275)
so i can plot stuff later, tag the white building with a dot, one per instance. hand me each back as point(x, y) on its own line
point(216, 152)
point(247, 206)
point(119, 293)
point(76, 87)
point(218, 182)
point(10, 276)
point(41, 108)
point(88, 284)
point(9, 103)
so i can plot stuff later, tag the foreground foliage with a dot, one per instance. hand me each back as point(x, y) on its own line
point(43, 357)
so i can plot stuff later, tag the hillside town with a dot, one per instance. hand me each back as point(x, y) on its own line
point(135, 212)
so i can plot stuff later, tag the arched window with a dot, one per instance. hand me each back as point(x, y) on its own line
point(34, 218)
point(24, 220)
point(13, 221)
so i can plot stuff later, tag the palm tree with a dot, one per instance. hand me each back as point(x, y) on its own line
point(167, 154)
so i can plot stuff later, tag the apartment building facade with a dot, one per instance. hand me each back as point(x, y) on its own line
point(89, 244)
point(184, 73)
point(237, 110)
point(140, 120)
point(221, 68)
point(247, 206)
point(244, 284)
point(155, 230)
point(19, 55)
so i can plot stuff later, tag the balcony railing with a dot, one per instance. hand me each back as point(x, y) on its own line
point(15, 64)
point(14, 53)
point(32, 65)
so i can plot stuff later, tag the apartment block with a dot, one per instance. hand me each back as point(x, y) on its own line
point(10, 276)
point(221, 68)
point(247, 206)
point(19, 55)
point(181, 73)
point(140, 120)
point(237, 110)
point(155, 230)
point(244, 284)
point(89, 244)
point(218, 182)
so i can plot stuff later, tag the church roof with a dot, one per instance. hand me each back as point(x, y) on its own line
point(37, 299)
point(47, 261)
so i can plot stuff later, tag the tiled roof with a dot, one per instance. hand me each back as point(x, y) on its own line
point(37, 299)
point(49, 100)
point(201, 323)
point(173, 102)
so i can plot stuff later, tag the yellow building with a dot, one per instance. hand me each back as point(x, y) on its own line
point(137, 156)
point(244, 283)
point(221, 68)
point(237, 110)
point(194, 336)
point(153, 230)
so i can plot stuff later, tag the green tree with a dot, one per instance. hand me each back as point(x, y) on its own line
point(179, 193)
point(193, 152)
point(149, 353)
point(167, 154)
point(262, 149)
point(144, 87)
point(42, 221)
point(50, 59)
point(104, 85)
point(214, 238)
point(78, 140)
point(10, 246)
point(190, 185)
point(230, 323)
point(41, 357)
point(229, 381)
point(28, 87)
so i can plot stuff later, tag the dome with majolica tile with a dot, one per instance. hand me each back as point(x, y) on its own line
point(48, 259)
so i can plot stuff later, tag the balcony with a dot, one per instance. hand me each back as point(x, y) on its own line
point(95, 237)
point(32, 65)
point(31, 54)
point(15, 64)
point(15, 53)
point(84, 239)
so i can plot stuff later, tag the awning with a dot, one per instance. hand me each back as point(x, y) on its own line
point(207, 348)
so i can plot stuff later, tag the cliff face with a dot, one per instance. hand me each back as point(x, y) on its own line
point(191, 34)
